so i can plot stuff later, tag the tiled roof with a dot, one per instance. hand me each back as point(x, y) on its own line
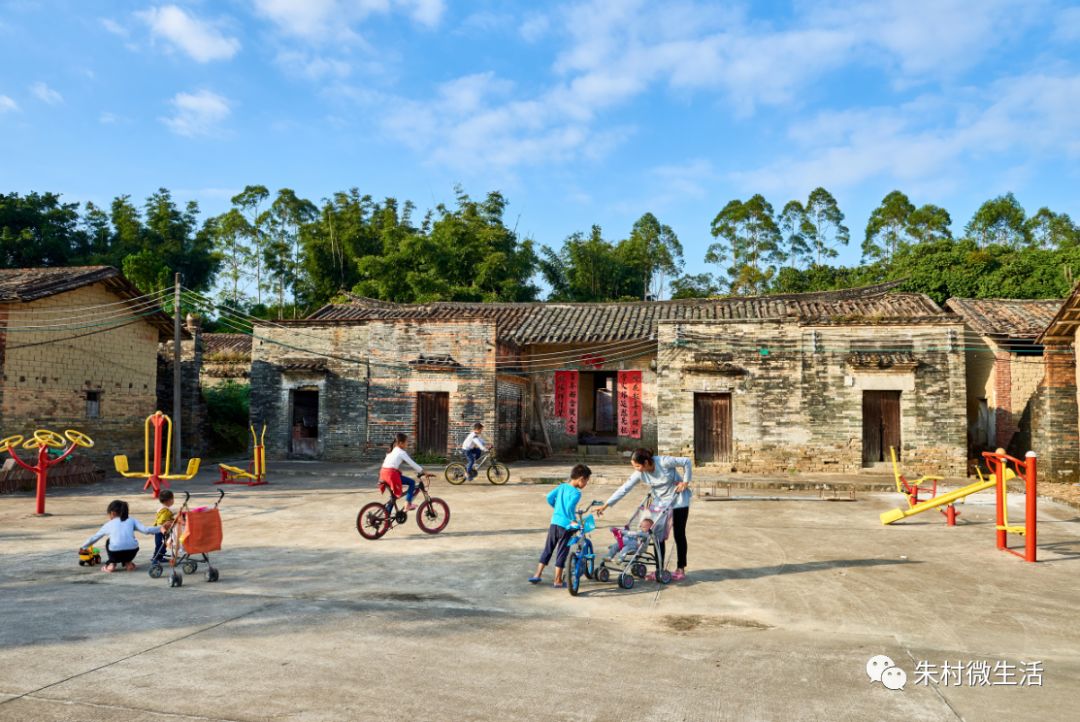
point(23, 285)
point(226, 343)
point(1005, 317)
point(537, 323)
point(1062, 327)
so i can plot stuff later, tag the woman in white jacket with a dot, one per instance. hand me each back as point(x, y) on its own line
point(660, 474)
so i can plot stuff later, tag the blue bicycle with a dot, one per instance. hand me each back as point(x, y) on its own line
point(582, 558)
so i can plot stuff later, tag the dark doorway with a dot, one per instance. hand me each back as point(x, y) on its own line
point(712, 427)
point(881, 425)
point(432, 422)
point(305, 423)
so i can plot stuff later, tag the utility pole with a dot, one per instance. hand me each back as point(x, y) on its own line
point(177, 411)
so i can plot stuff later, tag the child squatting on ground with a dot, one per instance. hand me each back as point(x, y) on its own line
point(163, 520)
point(120, 528)
point(564, 499)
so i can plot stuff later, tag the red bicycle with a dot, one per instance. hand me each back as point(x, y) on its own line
point(376, 518)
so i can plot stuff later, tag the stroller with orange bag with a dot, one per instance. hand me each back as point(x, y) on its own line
point(194, 532)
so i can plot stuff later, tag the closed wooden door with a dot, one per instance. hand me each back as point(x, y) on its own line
point(881, 425)
point(432, 421)
point(712, 427)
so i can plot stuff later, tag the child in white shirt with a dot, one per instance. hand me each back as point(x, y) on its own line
point(474, 447)
point(391, 470)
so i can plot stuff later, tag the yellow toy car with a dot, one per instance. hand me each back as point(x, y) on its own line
point(89, 557)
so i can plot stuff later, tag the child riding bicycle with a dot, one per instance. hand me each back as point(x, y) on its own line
point(391, 470)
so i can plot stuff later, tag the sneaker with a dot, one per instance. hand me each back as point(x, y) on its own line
point(410, 507)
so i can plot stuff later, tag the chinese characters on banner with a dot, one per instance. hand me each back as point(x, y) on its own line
point(629, 383)
point(566, 399)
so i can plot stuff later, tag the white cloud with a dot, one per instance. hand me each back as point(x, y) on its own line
point(199, 39)
point(312, 66)
point(114, 27)
point(7, 105)
point(45, 94)
point(1067, 25)
point(327, 21)
point(926, 141)
point(534, 27)
point(198, 113)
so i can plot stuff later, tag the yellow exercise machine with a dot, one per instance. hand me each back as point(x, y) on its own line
point(42, 441)
point(156, 477)
point(924, 484)
point(255, 474)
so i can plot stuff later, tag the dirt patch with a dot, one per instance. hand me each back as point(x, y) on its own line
point(414, 597)
point(691, 622)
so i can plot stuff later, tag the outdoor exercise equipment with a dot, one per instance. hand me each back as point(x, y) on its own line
point(43, 440)
point(160, 425)
point(912, 489)
point(998, 461)
point(255, 474)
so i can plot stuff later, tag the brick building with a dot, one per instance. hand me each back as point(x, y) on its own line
point(225, 357)
point(810, 381)
point(1055, 433)
point(1004, 369)
point(78, 349)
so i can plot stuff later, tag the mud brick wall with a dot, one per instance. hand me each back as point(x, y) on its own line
point(1055, 435)
point(512, 395)
point(626, 356)
point(45, 379)
point(394, 384)
point(342, 384)
point(797, 402)
point(368, 390)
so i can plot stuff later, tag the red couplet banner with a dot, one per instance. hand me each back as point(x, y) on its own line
point(629, 384)
point(566, 399)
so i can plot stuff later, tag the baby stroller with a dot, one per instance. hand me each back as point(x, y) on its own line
point(635, 549)
point(194, 532)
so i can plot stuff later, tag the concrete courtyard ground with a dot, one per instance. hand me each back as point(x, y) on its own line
point(785, 603)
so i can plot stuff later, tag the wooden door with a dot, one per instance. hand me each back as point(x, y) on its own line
point(712, 427)
point(432, 422)
point(881, 425)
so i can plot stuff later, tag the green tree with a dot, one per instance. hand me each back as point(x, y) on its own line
point(888, 228)
point(654, 251)
point(230, 231)
point(929, 223)
point(38, 230)
point(1047, 229)
point(468, 255)
point(795, 229)
point(827, 222)
point(752, 238)
point(701, 285)
point(249, 200)
point(999, 221)
point(589, 268)
point(287, 216)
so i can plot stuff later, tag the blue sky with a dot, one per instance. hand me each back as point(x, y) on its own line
point(580, 113)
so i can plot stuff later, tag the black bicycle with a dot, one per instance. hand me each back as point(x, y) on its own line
point(376, 518)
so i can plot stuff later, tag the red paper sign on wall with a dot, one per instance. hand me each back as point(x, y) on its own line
point(629, 383)
point(566, 399)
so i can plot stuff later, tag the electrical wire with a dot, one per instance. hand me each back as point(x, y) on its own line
point(79, 311)
point(149, 305)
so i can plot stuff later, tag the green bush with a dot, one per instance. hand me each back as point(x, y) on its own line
point(228, 407)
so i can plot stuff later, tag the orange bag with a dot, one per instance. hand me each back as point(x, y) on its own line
point(202, 532)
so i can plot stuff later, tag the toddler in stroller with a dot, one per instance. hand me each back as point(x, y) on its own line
point(637, 546)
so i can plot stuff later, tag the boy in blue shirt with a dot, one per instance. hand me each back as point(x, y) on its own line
point(564, 499)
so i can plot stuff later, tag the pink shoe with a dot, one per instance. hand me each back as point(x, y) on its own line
point(678, 576)
point(410, 507)
point(650, 577)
